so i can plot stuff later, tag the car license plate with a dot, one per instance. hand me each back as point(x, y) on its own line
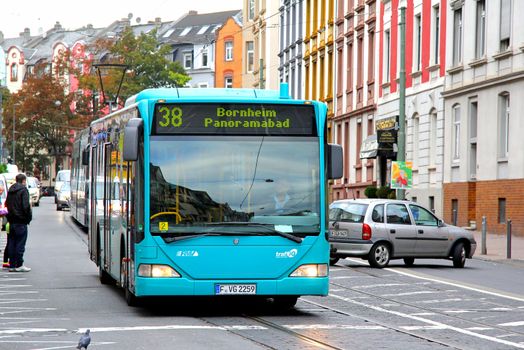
point(339, 233)
point(235, 289)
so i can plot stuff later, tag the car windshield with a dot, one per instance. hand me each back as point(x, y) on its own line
point(197, 181)
point(65, 187)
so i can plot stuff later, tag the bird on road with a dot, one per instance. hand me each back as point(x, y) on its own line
point(84, 341)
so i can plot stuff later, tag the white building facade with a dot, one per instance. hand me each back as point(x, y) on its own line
point(484, 100)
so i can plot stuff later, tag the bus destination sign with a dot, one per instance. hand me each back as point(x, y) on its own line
point(234, 119)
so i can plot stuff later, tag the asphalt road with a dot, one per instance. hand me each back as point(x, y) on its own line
point(429, 306)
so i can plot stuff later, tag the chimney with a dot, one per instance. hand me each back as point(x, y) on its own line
point(58, 27)
point(158, 20)
point(193, 12)
point(26, 34)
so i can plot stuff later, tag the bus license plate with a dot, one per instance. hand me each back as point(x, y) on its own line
point(235, 289)
point(339, 233)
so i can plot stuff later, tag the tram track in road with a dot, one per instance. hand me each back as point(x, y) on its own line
point(426, 309)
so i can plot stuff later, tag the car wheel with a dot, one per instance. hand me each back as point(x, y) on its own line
point(333, 261)
point(37, 204)
point(379, 255)
point(459, 255)
point(105, 278)
point(58, 208)
point(409, 261)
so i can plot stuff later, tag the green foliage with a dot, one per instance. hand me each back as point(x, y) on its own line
point(3, 168)
point(371, 192)
point(148, 65)
point(384, 191)
point(392, 194)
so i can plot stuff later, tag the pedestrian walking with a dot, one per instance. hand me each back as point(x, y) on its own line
point(19, 215)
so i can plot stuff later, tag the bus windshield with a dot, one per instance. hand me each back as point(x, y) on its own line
point(258, 181)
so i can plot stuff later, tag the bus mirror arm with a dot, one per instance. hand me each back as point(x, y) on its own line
point(335, 161)
point(132, 134)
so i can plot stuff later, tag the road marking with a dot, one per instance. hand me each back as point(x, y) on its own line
point(430, 322)
point(14, 301)
point(410, 293)
point(69, 346)
point(424, 314)
point(379, 285)
point(512, 324)
point(349, 277)
point(437, 301)
point(454, 284)
point(479, 328)
point(32, 330)
point(420, 328)
point(459, 311)
point(501, 309)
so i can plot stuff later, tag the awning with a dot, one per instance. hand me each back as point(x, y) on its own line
point(369, 148)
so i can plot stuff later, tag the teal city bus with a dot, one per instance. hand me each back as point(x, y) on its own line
point(210, 192)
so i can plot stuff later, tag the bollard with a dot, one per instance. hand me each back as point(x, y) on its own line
point(483, 248)
point(508, 239)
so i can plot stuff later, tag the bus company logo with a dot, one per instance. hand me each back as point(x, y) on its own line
point(187, 253)
point(289, 254)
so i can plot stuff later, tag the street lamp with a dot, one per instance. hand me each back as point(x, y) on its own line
point(401, 152)
point(102, 70)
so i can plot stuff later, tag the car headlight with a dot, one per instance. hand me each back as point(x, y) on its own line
point(311, 270)
point(152, 270)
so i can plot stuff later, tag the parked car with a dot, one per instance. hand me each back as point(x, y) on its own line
point(379, 230)
point(33, 185)
point(62, 177)
point(48, 191)
point(10, 179)
point(63, 196)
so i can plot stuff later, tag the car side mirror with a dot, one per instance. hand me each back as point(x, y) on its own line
point(440, 223)
point(335, 161)
point(132, 134)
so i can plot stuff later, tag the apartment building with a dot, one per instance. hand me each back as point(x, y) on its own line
point(483, 101)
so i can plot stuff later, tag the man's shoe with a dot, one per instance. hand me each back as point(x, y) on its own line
point(23, 269)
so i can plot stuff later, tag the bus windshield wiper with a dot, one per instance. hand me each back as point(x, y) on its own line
point(269, 230)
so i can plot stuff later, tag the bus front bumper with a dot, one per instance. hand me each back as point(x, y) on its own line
point(145, 287)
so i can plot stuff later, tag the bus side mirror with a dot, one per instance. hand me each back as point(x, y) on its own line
point(132, 133)
point(335, 161)
point(85, 157)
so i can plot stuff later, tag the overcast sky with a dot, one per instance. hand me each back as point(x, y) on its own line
point(41, 15)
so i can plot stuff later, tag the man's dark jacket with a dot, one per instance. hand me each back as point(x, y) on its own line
point(18, 206)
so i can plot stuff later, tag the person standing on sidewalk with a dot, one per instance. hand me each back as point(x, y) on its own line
point(19, 215)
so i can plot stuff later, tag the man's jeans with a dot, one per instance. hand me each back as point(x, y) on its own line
point(16, 244)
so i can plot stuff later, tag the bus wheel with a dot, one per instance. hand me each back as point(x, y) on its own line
point(285, 302)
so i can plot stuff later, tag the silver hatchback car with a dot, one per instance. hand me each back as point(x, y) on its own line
point(379, 230)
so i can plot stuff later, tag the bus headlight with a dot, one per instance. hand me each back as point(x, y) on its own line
point(311, 270)
point(149, 270)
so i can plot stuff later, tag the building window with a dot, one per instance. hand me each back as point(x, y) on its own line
point(188, 60)
point(387, 55)
point(229, 50)
point(505, 24)
point(456, 132)
point(416, 139)
point(250, 52)
point(457, 36)
point(204, 58)
point(251, 10)
point(14, 72)
point(433, 137)
point(503, 125)
point(436, 34)
point(203, 85)
point(454, 211)
point(502, 210)
point(360, 61)
point(480, 45)
point(228, 82)
point(417, 42)
point(371, 56)
point(432, 204)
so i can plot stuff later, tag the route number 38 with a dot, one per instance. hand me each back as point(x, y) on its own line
point(170, 117)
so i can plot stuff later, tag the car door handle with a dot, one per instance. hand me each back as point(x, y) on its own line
point(420, 231)
point(393, 231)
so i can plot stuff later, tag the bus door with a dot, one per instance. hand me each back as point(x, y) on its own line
point(92, 196)
point(108, 183)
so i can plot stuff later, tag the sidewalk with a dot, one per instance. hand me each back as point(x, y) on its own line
point(496, 247)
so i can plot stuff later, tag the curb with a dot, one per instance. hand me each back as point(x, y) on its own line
point(512, 262)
